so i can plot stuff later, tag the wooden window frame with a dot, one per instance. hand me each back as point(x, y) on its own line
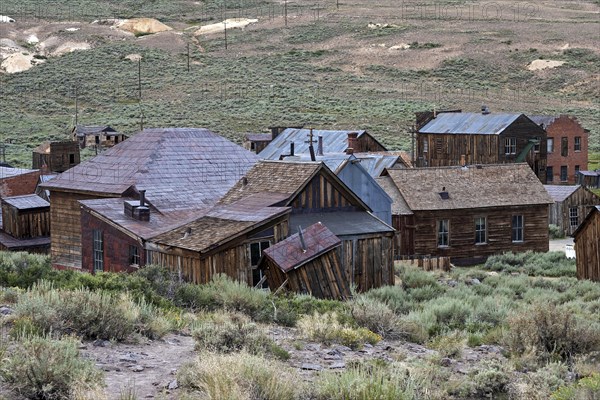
point(425, 146)
point(550, 174)
point(564, 177)
point(573, 216)
point(254, 267)
point(98, 250)
point(564, 146)
point(518, 228)
point(510, 145)
point(550, 145)
point(134, 255)
point(478, 231)
point(577, 144)
point(441, 233)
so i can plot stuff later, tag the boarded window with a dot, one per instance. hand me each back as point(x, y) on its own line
point(98, 247)
point(480, 230)
point(443, 234)
point(439, 145)
point(577, 143)
point(550, 145)
point(564, 147)
point(134, 255)
point(256, 250)
point(573, 216)
point(425, 146)
point(517, 228)
point(564, 173)
point(510, 145)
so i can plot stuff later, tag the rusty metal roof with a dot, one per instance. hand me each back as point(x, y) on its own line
point(342, 223)
point(561, 192)
point(500, 185)
point(470, 123)
point(180, 168)
point(333, 142)
point(289, 253)
point(26, 202)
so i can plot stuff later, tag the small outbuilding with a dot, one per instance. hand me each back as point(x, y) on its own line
point(25, 224)
point(100, 136)
point(56, 156)
point(571, 205)
point(307, 262)
point(589, 179)
point(587, 246)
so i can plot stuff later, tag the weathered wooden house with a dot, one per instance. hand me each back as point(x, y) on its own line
point(589, 179)
point(332, 142)
point(316, 194)
point(181, 169)
point(567, 147)
point(98, 136)
point(17, 181)
point(25, 224)
point(470, 213)
point(307, 262)
point(256, 142)
point(587, 246)
point(457, 138)
point(56, 156)
point(571, 205)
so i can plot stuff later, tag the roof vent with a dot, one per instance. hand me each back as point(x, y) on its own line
point(443, 194)
point(302, 242)
point(484, 109)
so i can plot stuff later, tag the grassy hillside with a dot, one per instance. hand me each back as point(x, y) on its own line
point(326, 68)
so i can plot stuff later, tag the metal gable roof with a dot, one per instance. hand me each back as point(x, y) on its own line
point(26, 202)
point(342, 223)
point(469, 123)
point(561, 192)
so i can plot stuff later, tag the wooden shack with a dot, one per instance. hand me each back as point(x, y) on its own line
point(587, 246)
point(256, 142)
point(98, 136)
point(56, 156)
point(457, 138)
point(589, 179)
point(25, 224)
point(316, 194)
point(307, 262)
point(470, 213)
point(182, 169)
point(571, 205)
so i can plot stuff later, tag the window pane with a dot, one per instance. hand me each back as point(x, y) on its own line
point(574, 216)
point(517, 228)
point(480, 230)
point(577, 145)
point(550, 145)
point(254, 253)
point(443, 232)
point(564, 173)
point(549, 174)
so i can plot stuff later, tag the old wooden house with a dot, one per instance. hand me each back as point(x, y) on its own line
point(256, 142)
point(56, 156)
point(181, 169)
point(571, 205)
point(316, 194)
point(297, 141)
point(25, 224)
point(307, 262)
point(567, 147)
point(17, 181)
point(587, 246)
point(457, 138)
point(470, 213)
point(97, 136)
point(589, 179)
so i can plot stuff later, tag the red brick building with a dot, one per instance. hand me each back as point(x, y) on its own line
point(18, 181)
point(567, 148)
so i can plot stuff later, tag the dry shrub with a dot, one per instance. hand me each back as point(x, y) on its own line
point(326, 328)
point(376, 316)
point(240, 376)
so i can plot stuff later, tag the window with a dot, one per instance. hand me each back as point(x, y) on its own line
point(564, 173)
point(134, 255)
point(549, 174)
point(98, 247)
point(550, 145)
point(576, 171)
point(480, 230)
point(517, 228)
point(510, 145)
point(443, 235)
point(97, 139)
point(577, 144)
point(573, 216)
point(425, 146)
point(71, 158)
point(536, 146)
point(564, 147)
point(256, 250)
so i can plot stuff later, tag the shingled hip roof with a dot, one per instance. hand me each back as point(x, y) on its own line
point(290, 254)
point(180, 168)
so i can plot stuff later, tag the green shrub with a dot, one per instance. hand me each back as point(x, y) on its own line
point(552, 264)
point(555, 232)
point(490, 379)
point(396, 298)
point(375, 316)
point(23, 269)
point(587, 388)
point(44, 368)
point(240, 376)
point(449, 345)
point(539, 384)
point(416, 278)
point(327, 328)
point(365, 382)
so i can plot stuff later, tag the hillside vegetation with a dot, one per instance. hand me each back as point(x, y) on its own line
point(329, 64)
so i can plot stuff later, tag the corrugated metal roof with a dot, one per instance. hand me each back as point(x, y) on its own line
point(469, 123)
point(26, 202)
point(333, 142)
point(590, 173)
point(345, 223)
point(561, 192)
point(7, 172)
point(289, 254)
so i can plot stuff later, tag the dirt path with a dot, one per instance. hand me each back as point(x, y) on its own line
point(148, 367)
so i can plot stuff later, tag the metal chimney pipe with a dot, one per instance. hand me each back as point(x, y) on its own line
point(142, 198)
point(292, 149)
point(320, 146)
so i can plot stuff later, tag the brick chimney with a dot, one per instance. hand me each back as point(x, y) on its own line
point(352, 142)
point(137, 209)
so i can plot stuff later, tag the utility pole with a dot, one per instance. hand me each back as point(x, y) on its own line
point(412, 146)
point(76, 106)
point(140, 78)
point(285, 12)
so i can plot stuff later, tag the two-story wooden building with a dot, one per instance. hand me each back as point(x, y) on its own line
point(458, 138)
point(56, 157)
point(470, 213)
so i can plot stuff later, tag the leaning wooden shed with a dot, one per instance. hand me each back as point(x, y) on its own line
point(25, 224)
point(307, 262)
point(571, 205)
point(587, 246)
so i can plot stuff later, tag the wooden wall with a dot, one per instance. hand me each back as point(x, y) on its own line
point(321, 194)
point(322, 277)
point(25, 224)
point(463, 250)
point(59, 157)
point(366, 143)
point(404, 240)
point(587, 249)
point(583, 199)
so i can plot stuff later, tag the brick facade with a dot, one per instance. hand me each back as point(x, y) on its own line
point(565, 130)
point(19, 185)
point(115, 246)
